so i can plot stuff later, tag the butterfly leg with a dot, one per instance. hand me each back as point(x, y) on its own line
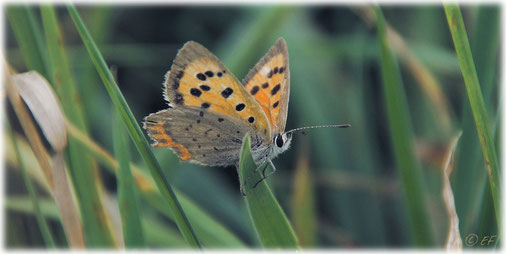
point(263, 164)
point(263, 173)
point(241, 185)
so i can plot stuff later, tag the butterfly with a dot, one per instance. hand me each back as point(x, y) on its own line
point(210, 110)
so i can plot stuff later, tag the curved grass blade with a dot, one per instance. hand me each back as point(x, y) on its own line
point(134, 130)
point(402, 139)
point(463, 50)
point(271, 224)
point(127, 196)
point(40, 98)
point(42, 102)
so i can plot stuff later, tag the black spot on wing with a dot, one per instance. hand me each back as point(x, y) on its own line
point(201, 76)
point(240, 106)
point(254, 90)
point(227, 92)
point(205, 87)
point(275, 89)
point(195, 92)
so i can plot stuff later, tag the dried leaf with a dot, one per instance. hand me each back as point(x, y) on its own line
point(39, 97)
point(453, 241)
point(66, 203)
point(41, 100)
point(29, 129)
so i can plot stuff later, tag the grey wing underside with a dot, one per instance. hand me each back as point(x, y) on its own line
point(209, 138)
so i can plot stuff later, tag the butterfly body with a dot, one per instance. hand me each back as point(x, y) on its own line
point(210, 111)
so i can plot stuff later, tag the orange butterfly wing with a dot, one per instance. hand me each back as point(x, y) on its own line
point(269, 83)
point(198, 79)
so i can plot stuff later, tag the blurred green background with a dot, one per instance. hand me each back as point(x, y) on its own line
point(339, 187)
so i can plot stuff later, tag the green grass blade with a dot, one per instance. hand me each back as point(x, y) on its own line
point(96, 223)
point(470, 176)
point(402, 140)
point(463, 50)
point(46, 233)
point(134, 130)
point(29, 38)
point(485, 48)
point(270, 221)
point(486, 224)
point(127, 191)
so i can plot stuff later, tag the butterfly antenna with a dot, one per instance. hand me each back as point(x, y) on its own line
point(318, 126)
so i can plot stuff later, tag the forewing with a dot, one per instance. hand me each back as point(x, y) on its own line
point(269, 83)
point(208, 138)
point(198, 79)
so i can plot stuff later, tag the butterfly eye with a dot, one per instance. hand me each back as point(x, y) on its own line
point(279, 140)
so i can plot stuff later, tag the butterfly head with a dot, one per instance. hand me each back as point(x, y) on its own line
point(282, 141)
